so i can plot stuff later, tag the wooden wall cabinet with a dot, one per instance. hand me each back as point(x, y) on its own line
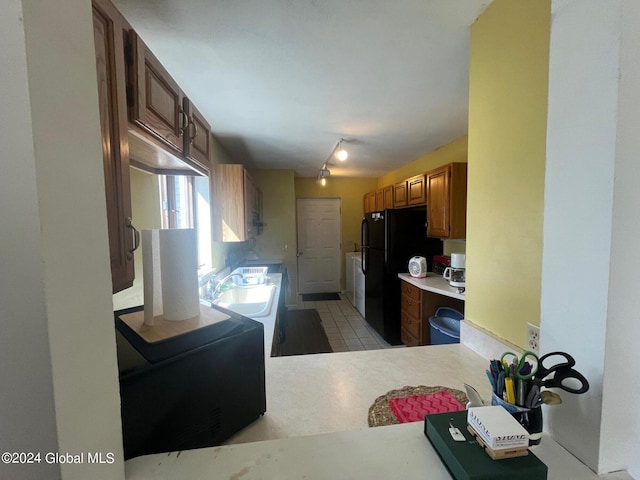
point(168, 133)
point(108, 26)
point(447, 201)
point(416, 306)
point(379, 200)
point(197, 138)
point(416, 191)
point(387, 193)
point(369, 202)
point(400, 198)
point(236, 204)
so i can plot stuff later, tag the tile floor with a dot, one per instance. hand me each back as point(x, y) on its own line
point(346, 330)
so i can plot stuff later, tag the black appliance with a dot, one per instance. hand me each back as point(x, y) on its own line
point(194, 390)
point(389, 239)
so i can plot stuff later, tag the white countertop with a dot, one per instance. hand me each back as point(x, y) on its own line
point(315, 426)
point(396, 451)
point(433, 283)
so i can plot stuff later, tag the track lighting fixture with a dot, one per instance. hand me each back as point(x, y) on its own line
point(338, 152)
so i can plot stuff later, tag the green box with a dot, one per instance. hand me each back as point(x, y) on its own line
point(468, 460)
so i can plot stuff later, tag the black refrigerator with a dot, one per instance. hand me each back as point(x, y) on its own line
point(389, 239)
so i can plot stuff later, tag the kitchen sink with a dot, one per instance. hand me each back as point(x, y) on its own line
point(254, 301)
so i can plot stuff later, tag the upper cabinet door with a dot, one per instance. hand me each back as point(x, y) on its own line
point(438, 202)
point(447, 201)
point(416, 194)
point(400, 194)
point(388, 196)
point(197, 137)
point(108, 27)
point(156, 104)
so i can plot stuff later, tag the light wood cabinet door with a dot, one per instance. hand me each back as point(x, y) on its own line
point(156, 105)
point(197, 137)
point(369, 201)
point(379, 200)
point(447, 201)
point(236, 204)
point(108, 27)
point(416, 193)
point(400, 198)
point(387, 193)
point(438, 202)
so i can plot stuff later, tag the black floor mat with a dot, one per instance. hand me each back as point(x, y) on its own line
point(304, 334)
point(318, 297)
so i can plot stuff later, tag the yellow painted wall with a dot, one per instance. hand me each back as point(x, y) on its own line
point(509, 59)
point(455, 151)
point(146, 215)
point(351, 192)
point(278, 239)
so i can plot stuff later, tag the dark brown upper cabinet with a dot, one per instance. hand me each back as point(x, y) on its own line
point(108, 26)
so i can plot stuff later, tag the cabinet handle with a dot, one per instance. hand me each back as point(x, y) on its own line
point(195, 130)
point(185, 120)
point(136, 238)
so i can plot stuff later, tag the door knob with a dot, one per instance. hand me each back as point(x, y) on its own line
point(298, 254)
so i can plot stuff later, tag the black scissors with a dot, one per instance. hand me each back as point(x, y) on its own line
point(564, 375)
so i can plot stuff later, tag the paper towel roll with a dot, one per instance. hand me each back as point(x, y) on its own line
point(151, 275)
point(179, 273)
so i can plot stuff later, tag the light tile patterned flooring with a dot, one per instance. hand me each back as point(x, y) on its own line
point(346, 330)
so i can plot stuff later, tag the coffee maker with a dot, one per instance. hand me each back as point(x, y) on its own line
point(456, 272)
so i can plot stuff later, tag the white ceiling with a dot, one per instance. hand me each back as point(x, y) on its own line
point(281, 81)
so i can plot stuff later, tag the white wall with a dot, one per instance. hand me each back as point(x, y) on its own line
point(55, 283)
point(579, 201)
point(27, 419)
point(621, 392)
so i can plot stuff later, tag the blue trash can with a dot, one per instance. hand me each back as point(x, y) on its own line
point(445, 326)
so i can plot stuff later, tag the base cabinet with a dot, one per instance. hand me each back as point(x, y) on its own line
point(416, 306)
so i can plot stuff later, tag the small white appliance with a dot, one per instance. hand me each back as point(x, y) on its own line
point(418, 267)
point(456, 272)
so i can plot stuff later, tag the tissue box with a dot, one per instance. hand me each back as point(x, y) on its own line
point(497, 428)
point(468, 461)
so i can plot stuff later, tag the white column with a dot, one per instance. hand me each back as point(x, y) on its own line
point(578, 212)
point(59, 390)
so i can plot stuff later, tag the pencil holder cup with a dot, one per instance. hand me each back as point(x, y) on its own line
point(529, 418)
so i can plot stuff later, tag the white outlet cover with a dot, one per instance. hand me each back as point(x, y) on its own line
point(533, 338)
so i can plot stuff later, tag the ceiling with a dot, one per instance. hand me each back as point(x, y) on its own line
point(281, 81)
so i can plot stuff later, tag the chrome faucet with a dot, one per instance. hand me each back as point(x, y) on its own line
point(219, 284)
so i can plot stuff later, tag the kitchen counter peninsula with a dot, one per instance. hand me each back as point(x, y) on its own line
point(315, 426)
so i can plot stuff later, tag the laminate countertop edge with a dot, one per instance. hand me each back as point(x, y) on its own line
point(433, 283)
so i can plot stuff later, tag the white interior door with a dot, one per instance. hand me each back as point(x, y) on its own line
point(319, 249)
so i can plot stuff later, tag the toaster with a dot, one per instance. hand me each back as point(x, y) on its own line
point(418, 267)
point(440, 262)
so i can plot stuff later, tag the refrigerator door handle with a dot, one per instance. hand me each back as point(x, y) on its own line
point(364, 246)
point(364, 260)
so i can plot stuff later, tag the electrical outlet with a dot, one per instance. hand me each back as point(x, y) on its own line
point(533, 338)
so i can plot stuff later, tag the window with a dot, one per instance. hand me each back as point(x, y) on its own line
point(185, 204)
